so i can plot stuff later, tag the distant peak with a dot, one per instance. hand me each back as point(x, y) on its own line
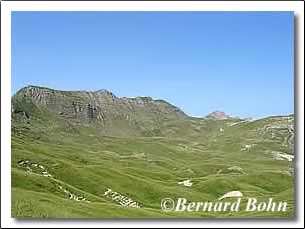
point(218, 115)
point(218, 112)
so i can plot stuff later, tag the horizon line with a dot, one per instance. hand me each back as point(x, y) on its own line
point(155, 99)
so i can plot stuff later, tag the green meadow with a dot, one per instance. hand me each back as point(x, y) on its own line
point(63, 170)
point(146, 169)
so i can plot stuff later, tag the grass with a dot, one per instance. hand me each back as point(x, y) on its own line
point(146, 169)
point(142, 157)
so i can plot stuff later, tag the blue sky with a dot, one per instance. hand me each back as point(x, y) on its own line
point(237, 62)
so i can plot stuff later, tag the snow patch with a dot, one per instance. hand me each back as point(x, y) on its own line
point(231, 194)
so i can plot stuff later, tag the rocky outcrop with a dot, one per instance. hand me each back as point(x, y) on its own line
point(279, 129)
point(101, 107)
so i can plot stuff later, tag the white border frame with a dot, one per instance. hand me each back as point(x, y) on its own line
point(6, 9)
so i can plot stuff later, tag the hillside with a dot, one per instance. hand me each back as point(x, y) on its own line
point(69, 148)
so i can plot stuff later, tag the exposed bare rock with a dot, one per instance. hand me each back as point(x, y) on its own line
point(218, 115)
point(281, 129)
point(101, 107)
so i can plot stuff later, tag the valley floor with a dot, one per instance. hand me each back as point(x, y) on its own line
point(127, 177)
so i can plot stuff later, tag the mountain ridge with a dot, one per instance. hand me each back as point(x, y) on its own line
point(98, 109)
point(108, 114)
point(109, 93)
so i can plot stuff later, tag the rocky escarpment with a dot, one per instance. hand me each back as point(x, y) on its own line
point(101, 106)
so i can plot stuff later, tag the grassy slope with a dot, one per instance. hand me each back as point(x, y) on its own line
point(146, 169)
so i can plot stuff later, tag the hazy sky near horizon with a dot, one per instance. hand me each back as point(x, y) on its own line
point(237, 62)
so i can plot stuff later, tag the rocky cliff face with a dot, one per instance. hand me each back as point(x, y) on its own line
point(101, 107)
